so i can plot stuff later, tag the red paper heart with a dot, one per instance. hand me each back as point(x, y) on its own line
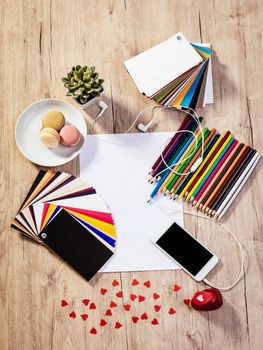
point(157, 308)
point(85, 301)
point(103, 322)
point(144, 316)
point(64, 303)
point(119, 294)
point(103, 291)
point(92, 306)
point(93, 331)
point(113, 304)
point(133, 297)
point(141, 298)
point(84, 317)
point(176, 288)
point(135, 282)
point(135, 319)
point(108, 313)
point(147, 284)
point(154, 321)
point(171, 311)
point(115, 283)
point(127, 307)
point(118, 325)
point(72, 314)
point(156, 296)
point(187, 301)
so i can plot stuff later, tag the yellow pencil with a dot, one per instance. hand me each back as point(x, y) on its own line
point(209, 167)
point(182, 194)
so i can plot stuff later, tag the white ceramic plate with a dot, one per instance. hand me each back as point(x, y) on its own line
point(29, 125)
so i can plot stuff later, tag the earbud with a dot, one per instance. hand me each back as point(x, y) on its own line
point(103, 105)
point(143, 127)
point(196, 164)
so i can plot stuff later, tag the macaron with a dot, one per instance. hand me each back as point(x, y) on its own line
point(54, 120)
point(50, 137)
point(69, 135)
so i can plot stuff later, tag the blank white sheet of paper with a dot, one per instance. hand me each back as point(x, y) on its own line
point(118, 170)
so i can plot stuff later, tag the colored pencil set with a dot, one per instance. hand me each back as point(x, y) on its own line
point(226, 166)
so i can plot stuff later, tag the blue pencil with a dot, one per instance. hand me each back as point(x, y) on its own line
point(159, 184)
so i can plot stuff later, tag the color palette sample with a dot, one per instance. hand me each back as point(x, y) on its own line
point(212, 187)
point(67, 215)
point(174, 73)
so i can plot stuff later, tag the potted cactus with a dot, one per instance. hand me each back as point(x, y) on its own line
point(83, 85)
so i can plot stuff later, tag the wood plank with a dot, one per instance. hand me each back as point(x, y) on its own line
point(40, 42)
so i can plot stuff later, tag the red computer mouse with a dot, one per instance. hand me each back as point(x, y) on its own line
point(207, 300)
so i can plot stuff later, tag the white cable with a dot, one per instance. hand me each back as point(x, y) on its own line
point(241, 272)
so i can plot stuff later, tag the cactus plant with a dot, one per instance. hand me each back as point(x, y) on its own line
point(83, 83)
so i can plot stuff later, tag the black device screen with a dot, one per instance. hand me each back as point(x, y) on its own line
point(184, 248)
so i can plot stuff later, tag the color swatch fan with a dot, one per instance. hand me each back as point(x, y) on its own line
point(174, 73)
point(68, 216)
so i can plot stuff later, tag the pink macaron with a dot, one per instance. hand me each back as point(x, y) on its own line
point(69, 135)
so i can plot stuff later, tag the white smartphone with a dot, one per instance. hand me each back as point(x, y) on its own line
point(186, 251)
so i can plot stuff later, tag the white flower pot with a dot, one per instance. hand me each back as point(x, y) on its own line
point(90, 102)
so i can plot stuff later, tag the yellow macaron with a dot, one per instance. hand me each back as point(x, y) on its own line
point(50, 137)
point(53, 119)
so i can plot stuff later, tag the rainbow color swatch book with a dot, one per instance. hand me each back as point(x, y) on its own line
point(174, 73)
point(69, 217)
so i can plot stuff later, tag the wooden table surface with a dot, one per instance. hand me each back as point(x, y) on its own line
point(40, 41)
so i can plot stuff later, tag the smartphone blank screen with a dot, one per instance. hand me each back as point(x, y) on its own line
point(184, 249)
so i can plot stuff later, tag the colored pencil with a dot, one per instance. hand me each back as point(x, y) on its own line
point(211, 180)
point(179, 137)
point(236, 190)
point(225, 178)
point(169, 156)
point(200, 169)
point(234, 177)
point(177, 150)
point(189, 152)
point(186, 166)
point(159, 184)
point(186, 121)
point(209, 146)
point(212, 163)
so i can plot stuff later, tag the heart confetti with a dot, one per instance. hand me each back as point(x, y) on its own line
point(156, 296)
point(176, 288)
point(133, 297)
point(144, 316)
point(135, 319)
point(72, 314)
point(157, 308)
point(84, 317)
point(154, 321)
point(103, 322)
point(113, 304)
point(118, 325)
point(119, 294)
point(187, 301)
point(127, 307)
point(103, 291)
point(93, 331)
point(141, 298)
point(171, 311)
point(85, 301)
point(63, 303)
point(108, 313)
point(135, 282)
point(92, 306)
point(147, 284)
point(115, 283)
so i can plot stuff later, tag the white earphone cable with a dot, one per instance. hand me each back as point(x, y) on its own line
point(241, 271)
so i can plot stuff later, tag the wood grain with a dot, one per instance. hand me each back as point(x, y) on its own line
point(40, 41)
